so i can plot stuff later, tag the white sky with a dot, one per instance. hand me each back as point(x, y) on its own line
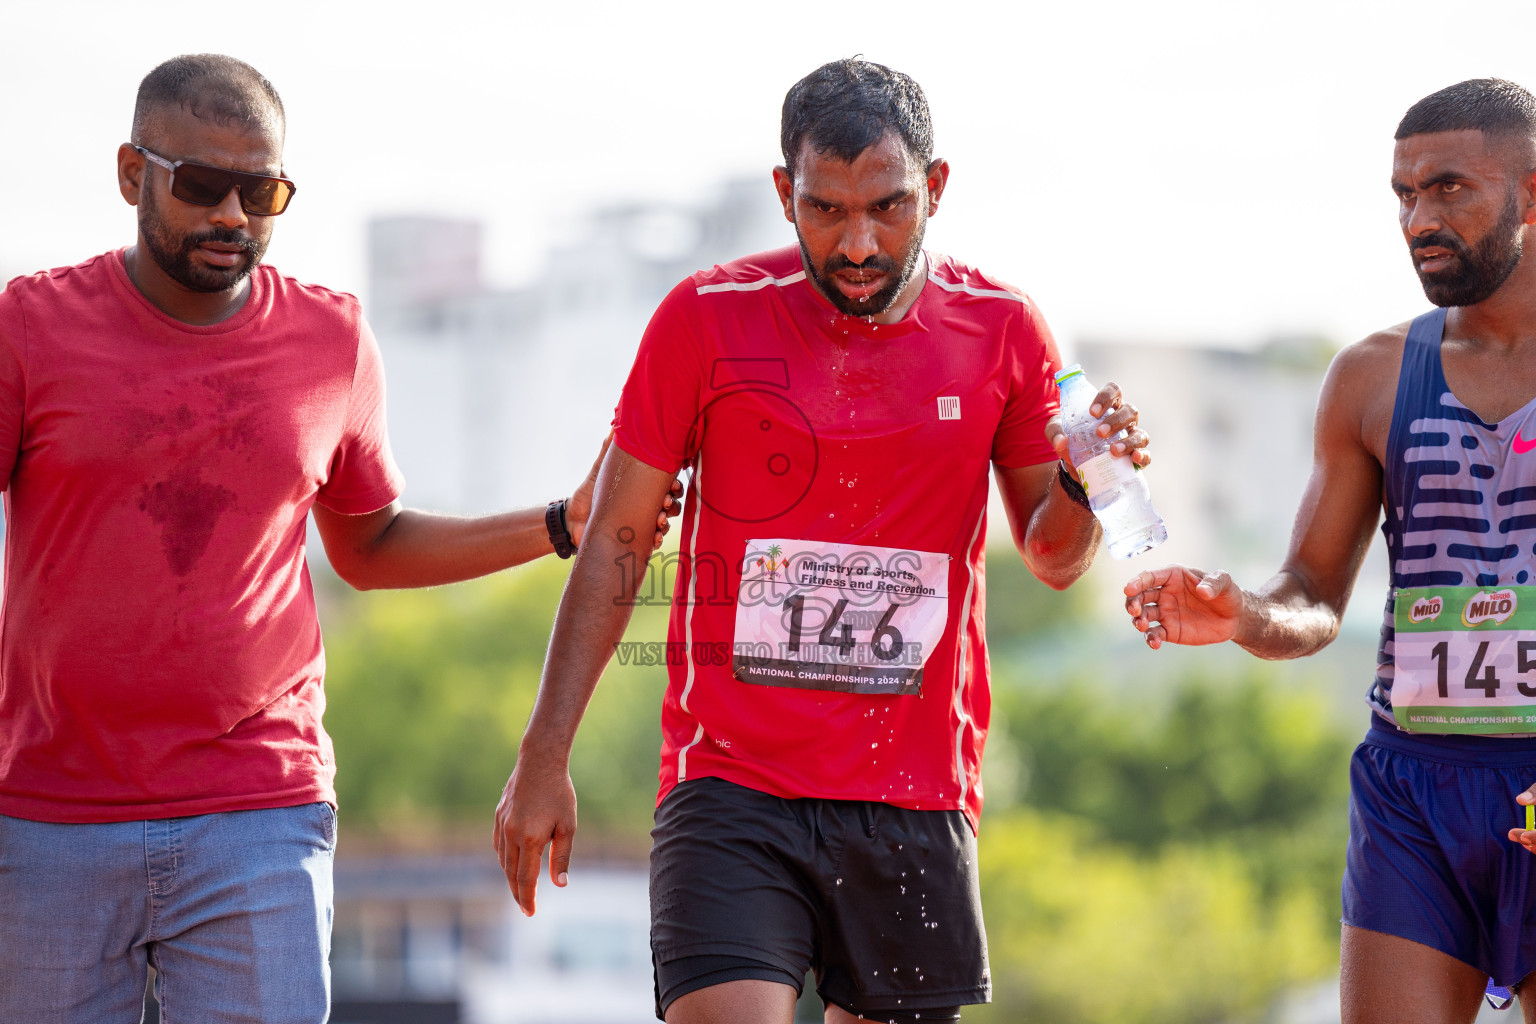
point(1183, 171)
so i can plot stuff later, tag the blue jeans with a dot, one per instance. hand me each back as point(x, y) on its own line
point(233, 910)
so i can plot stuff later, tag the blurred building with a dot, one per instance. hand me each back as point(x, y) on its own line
point(1232, 451)
point(438, 940)
point(501, 398)
point(1232, 440)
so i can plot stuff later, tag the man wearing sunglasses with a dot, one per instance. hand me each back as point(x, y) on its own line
point(170, 415)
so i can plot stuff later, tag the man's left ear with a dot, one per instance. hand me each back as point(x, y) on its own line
point(938, 177)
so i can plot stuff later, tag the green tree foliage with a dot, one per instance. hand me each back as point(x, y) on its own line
point(1244, 761)
point(429, 691)
point(1083, 931)
point(1184, 854)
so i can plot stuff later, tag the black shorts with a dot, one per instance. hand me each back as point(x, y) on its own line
point(881, 902)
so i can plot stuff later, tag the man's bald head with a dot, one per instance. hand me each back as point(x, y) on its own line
point(1504, 112)
point(210, 87)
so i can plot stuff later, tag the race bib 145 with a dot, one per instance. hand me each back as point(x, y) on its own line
point(1465, 659)
point(854, 618)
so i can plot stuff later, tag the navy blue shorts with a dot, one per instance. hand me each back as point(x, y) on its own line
point(1429, 858)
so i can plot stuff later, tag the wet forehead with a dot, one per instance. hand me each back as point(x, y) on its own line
point(177, 134)
point(882, 169)
point(1434, 155)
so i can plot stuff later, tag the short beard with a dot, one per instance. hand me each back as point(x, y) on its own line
point(883, 299)
point(174, 256)
point(1478, 271)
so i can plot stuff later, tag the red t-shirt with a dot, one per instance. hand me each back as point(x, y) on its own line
point(159, 651)
point(835, 460)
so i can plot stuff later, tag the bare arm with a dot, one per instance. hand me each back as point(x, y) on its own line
point(538, 805)
point(1055, 535)
point(1297, 612)
point(401, 547)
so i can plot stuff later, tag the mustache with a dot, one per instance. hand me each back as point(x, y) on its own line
point(1438, 239)
point(224, 236)
point(883, 264)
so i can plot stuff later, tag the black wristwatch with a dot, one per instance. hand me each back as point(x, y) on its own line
point(1072, 485)
point(559, 536)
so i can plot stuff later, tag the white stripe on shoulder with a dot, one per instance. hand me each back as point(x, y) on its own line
point(986, 293)
point(751, 286)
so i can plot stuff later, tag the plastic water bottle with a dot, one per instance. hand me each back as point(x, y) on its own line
point(1117, 491)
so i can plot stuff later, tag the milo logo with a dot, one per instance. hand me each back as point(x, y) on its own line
point(1489, 606)
point(1425, 610)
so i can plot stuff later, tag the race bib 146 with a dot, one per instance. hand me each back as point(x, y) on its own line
point(1465, 659)
point(854, 618)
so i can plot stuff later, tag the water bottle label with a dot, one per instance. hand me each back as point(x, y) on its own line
point(1106, 472)
point(849, 617)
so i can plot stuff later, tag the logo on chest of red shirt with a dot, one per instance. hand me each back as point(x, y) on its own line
point(764, 447)
point(949, 407)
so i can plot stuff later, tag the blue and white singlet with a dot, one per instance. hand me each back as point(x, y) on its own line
point(1460, 493)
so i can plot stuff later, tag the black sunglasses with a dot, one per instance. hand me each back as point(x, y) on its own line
point(261, 195)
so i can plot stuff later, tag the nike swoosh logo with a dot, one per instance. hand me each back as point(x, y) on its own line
point(1521, 445)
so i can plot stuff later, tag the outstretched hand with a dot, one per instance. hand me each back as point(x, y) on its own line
point(579, 507)
point(1180, 605)
point(1115, 415)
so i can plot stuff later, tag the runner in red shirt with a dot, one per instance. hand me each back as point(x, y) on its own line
point(840, 404)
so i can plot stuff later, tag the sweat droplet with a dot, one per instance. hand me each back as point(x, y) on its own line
point(839, 881)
